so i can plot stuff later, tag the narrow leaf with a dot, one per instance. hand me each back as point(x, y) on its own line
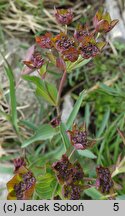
point(93, 193)
point(44, 89)
point(13, 113)
point(104, 123)
point(86, 153)
point(87, 115)
point(64, 136)
point(75, 109)
point(44, 132)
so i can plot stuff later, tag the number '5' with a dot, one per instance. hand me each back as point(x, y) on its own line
point(116, 207)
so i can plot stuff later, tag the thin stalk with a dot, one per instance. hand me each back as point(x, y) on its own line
point(61, 85)
point(71, 153)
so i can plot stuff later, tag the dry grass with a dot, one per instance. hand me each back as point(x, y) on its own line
point(15, 19)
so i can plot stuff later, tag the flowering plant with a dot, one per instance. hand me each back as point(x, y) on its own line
point(62, 176)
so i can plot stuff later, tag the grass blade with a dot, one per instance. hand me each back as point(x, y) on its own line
point(75, 109)
point(64, 136)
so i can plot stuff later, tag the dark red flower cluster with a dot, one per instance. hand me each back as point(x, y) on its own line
point(18, 162)
point(68, 48)
point(36, 61)
point(64, 16)
point(104, 181)
point(78, 137)
point(28, 180)
point(44, 41)
point(22, 185)
point(70, 176)
point(55, 122)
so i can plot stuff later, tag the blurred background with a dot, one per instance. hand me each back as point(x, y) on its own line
point(103, 109)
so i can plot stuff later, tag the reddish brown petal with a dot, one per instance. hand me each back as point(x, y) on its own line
point(29, 64)
point(102, 26)
point(45, 40)
point(113, 23)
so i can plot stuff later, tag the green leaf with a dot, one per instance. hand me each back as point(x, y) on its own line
point(87, 115)
point(28, 124)
point(93, 193)
point(45, 186)
point(13, 112)
point(109, 90)
point(82, 63)
point(104, 123)
point(43, 132)
point(75, 109)
point(86, 153)
point(52, 155)
point(79, 63)
point(44, 89)
point(43, 70)
point(64, 136)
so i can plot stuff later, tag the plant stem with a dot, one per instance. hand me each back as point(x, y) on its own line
point(71, 153)
point(61, 85)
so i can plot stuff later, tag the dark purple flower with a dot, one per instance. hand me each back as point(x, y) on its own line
point(55, 122)
point(78, 137)
point(36, 61)
point(104, 182)
point(71, 54)
point(82, 34)
point(64, 16)
point(89, 50)
point(44, 41)
point(62, 42)
point(18, 162)
point(22, 185)
point(70, 176)
point(72, 191)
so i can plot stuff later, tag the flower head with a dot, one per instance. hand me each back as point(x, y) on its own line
point(70, 176)
point(67, 47)
point(62, 42)
point(102, 21)
point(36, 61)
point(91, 48)
point(44, 41)
point(64, 16)
point(104, 181)
point(55, 122)
point(62, 168)
point(22, 185)
point(70, 54)
point(18, 162)
point(82, 34)
point(72, 191)
point(78, 137)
